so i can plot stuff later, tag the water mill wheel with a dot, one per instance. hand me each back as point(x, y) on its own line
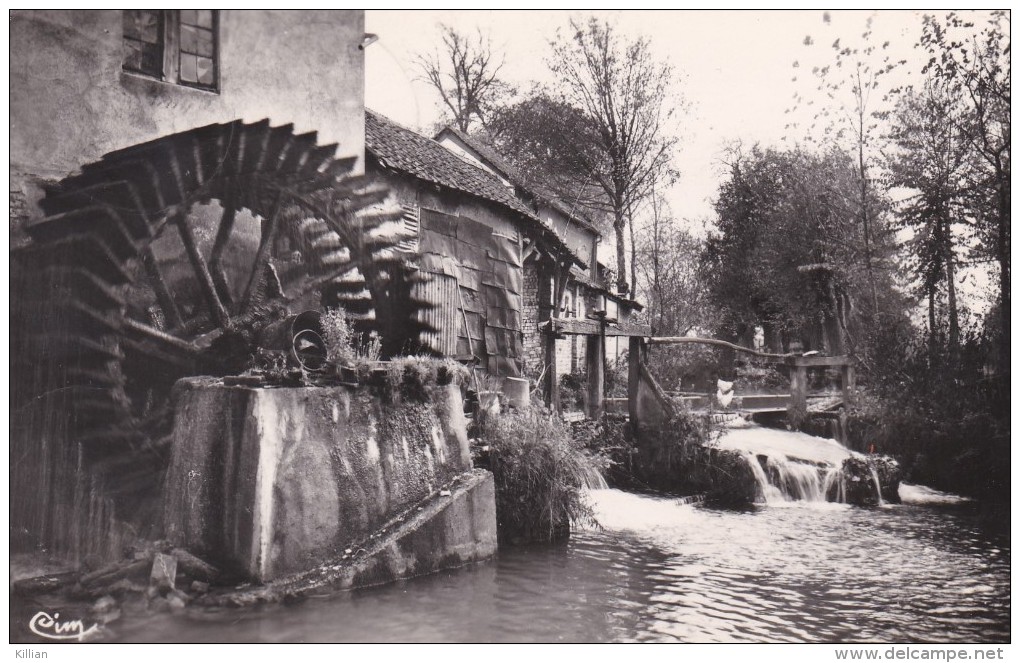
point(158, 261)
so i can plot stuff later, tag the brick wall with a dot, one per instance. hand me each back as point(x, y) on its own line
point(533, 355)
point(564, 354)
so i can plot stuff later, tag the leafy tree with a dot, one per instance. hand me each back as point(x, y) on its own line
point(788, 253)
point(934, 163)
point(465, 73)
point(550, 144)
point(853, 84)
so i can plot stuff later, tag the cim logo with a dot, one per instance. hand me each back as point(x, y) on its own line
point(52, 628)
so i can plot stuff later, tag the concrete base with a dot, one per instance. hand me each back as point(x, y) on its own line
point(442, 532)
point(271, 482)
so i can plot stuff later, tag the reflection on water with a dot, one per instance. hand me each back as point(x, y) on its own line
point(661, 571)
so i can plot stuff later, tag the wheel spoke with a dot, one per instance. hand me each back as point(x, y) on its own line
point(166, 344)
point(269, 230)
point(222, 233)
point(222, 239)
point(297, 288)
point(205, 280)
point(163, 297)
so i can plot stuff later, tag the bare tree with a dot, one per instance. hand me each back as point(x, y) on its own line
point(668, 260)
point(976, 67)
point(627, 98)
point(853, 85)
point(465, 73)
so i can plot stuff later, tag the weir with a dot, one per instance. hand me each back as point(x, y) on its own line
point(788, 466)
point(750, 463)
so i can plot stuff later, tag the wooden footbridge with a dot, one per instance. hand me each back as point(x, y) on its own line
point(647, 402)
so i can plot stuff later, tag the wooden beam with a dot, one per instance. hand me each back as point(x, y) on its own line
point(595, 367)
point(223, 233)
point(588, 327)
point(160, 338)
point(552, 382)
point(817, 361)
point(530, 248)
point(171, 315)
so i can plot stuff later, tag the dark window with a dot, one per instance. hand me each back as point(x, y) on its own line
point(143, 41)
point(178, 46)
point(198, 47)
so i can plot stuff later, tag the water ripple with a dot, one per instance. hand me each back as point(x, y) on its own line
point(665, 572)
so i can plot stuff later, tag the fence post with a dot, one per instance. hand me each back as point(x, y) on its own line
point(552, 392)
point(595, 367)
point(798, 389)
point(848, 383)
point(637, 348)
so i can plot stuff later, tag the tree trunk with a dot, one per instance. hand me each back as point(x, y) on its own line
point(620, 226)
point(864, 215)
point(954, 320)
point(633, 253)
point(1002, 250)
point(932, 337)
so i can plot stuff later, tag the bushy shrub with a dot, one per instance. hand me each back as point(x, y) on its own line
point(541, 473)
point(680, 457)
point(685, 367)
point(609, 437)
point(617, 377)
point(573, 391)
point(945, 418)
point(345, 345)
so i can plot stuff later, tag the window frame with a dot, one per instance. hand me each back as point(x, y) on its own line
point(171, 43)
point(161, 35)
point(215, 85)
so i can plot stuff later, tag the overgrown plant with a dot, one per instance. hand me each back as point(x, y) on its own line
point(541, 473)
point(574, 390)
point(946, 417)
point(411, 378)
point(345, 345)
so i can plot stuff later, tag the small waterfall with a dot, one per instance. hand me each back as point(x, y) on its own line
point(796, 481)
point(878, 485)
point(835, 484)
point(593, 479)
point(781, 480)
point(794, 467)
point(770, 494)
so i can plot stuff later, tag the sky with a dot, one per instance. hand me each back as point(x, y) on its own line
point(736, 70)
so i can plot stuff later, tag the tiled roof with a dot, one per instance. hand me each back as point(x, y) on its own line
point(488, 154)
point(493, 158)
point(400, 148)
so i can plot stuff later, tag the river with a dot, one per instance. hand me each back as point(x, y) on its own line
point(935, 570)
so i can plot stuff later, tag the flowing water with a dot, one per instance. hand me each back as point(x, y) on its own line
point(933, 569)
point(663, 571)
point(790, 466)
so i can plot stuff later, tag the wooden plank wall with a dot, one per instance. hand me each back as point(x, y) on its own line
point(486, 267)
